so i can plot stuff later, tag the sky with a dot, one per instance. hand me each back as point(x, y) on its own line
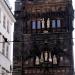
point(12, 3)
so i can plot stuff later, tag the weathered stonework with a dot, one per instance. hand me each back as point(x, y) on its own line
point(46, 50)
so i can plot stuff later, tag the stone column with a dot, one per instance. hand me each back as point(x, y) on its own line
point(43, 23)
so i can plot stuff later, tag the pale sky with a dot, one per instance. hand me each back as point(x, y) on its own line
point(13, 6)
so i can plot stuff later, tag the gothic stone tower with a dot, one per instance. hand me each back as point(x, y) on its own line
point(43, 37)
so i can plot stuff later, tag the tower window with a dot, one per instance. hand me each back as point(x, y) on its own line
point(33, 24)
point(58, 23)
point(38, 25)
point(53, 23)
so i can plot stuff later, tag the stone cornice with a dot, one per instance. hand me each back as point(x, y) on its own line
point(7, 9)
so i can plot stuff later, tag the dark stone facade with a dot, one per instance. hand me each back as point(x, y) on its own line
point(43, 50)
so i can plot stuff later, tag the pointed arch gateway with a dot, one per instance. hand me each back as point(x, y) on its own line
point(46, 61)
